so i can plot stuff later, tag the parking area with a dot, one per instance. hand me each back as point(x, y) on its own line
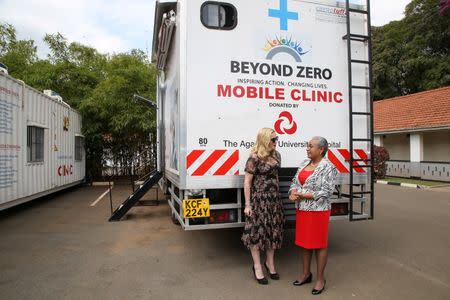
point(61, 247)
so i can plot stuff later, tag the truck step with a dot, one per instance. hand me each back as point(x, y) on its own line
point(133, 199)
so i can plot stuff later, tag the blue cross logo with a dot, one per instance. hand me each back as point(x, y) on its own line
point(283, 14)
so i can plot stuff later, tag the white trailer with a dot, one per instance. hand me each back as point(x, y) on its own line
point(41, 145)
point(229, 68)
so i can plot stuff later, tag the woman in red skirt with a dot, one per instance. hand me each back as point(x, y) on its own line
point(311, 189)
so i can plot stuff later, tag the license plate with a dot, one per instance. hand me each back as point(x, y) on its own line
point(196, 208)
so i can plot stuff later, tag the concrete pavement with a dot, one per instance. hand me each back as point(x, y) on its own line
point(62, 248)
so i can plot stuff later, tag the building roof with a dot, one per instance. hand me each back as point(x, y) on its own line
point(424, 110)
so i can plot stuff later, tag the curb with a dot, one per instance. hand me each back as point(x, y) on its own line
point(408, 185)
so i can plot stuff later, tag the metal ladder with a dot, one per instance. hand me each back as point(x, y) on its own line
point(354, 162)
point(133, 199)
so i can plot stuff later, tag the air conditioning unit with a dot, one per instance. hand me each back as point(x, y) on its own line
point(3, 68)
point(53, 95)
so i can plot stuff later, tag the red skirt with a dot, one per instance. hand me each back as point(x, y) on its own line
point(311, 229)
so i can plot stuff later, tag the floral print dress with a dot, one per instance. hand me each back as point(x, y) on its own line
point(264, 229)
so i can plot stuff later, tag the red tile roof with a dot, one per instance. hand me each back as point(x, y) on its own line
point(422, 110)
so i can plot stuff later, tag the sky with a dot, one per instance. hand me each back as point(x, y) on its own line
point(113, 26)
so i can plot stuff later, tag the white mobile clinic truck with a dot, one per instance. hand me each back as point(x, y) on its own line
point(41, 146)
point(229, 68)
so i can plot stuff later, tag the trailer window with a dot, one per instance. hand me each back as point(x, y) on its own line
point(35, 144)
point(78, 148)
point(218, 15)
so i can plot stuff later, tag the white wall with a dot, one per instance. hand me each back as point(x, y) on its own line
point(437, 146)
point(397, 146)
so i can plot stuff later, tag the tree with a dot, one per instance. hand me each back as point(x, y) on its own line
point(100, 86)
point(412, 55)
point(18, 55)
point(77, 69)
point(111, 110)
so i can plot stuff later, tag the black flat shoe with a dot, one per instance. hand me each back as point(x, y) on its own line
point(317, 292)
point(274, 276)
point(307, 280)
point(262, 280)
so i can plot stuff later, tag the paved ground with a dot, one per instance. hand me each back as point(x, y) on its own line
point(441, 189)
point(62, 248)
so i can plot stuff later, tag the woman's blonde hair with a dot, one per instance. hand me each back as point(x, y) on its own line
point(261, 148)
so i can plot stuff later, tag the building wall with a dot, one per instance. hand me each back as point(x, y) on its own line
point(436, 146)
point(397, 146)
point(435, 164)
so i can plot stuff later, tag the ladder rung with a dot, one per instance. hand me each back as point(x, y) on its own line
point(347, 195)
point(360, 217)
point(361, 166)
point(361, 36)
point(361, 87)
point(362, 193)
point(356, 37)
point(358, 61)
point(358, 113)
point(359, 11)
point(361, 140)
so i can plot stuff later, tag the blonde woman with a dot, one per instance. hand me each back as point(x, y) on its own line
point(264, 222)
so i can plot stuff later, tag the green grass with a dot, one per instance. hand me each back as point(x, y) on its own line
point(414, 181)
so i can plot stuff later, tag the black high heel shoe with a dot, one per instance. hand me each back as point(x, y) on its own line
point(317, 292)
point(262, 280)
point(307, 280)
point(274, 276)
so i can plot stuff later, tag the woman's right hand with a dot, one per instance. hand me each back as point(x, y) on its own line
point(248, 211)
point(293, 196)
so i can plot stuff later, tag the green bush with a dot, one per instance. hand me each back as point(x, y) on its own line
point(380, 156)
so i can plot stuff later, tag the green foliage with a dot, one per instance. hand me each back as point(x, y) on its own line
point(18, 55)
point(412, 55)
point(100, 86)
point(111, 109)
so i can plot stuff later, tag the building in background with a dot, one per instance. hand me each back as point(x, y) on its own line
point(41, 144)
point(415, 129)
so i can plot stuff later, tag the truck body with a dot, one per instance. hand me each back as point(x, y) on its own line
point(41, 145)
point(228, 69)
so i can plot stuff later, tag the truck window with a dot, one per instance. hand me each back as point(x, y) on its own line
point(35, 144)
point(78, 148)
point(218, 15)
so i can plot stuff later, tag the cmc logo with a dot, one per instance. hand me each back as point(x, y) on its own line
point(285, 124)
point(65, 170)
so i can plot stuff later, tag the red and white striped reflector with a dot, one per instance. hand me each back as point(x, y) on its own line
point(340, 159)
point(212, 162)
